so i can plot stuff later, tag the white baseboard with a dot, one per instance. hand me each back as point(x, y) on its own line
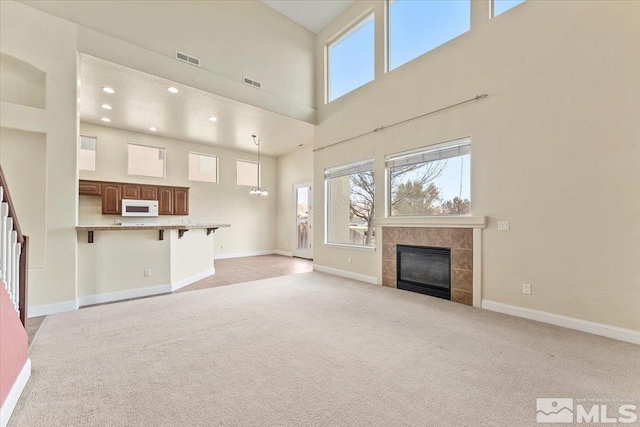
point(347, 274)
point(14, 394)
point(608, 331)
point(283, 253)
point(243, 254)
point(122, 295)
point(47, 309)
point(189, 280)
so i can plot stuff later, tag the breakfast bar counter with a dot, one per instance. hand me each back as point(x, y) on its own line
point(182, 228)
point(132, 260)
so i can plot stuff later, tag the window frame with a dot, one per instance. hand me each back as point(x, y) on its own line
point(492, 8)
point(387, 33)
point(205, 155)
point(327, 197)
point(164, 160)
point(355, 25)
point(465, 141)
point(257, 175)
point(95, 164)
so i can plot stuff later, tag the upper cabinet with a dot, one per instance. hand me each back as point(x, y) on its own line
point(165, 201)
point(171, 200)
point(111, 198)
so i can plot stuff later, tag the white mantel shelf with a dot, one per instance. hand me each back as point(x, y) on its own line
point(432, 221)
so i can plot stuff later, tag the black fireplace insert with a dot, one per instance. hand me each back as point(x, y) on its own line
point(424, 269)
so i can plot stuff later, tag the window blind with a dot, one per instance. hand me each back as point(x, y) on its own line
point(350, 169)
point(446, 150)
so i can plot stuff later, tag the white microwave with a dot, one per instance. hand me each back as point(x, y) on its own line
point(141, 208)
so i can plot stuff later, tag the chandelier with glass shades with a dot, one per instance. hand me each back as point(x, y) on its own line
point(259, 190)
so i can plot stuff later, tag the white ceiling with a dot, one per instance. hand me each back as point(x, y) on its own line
point(142, 101)
point(313, 15)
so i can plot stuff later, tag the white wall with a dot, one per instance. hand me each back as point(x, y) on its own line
point(555, 147)
point(293, 168)
point(232, 39)
point(19, 152)
point(48, 44)
point(251, 217)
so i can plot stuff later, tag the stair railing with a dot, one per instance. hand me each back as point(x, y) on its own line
point(14, 252)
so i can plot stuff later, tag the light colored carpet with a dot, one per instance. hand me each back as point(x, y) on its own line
point(313, 350)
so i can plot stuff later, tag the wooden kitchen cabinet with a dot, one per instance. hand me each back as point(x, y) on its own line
point(165, 200)
point(90, 188)
point(148, 192)
point(111, 198)
point(181, 201)
point(171, 200)
point(130, 191)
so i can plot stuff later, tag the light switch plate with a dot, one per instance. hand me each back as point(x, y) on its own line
point(503, 225)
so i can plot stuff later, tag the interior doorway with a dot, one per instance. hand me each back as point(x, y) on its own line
point(303, 220)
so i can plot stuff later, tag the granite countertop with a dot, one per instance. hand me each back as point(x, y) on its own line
point(126, 227)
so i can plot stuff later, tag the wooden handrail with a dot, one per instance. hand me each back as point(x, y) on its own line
point(23, 262)
point(12, 211)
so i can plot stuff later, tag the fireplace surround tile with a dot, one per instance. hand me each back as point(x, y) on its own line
point(437, 237)
point(462, 279)
point(462, 259)
point(459, 240)
point(462, 238)
point(463, 297)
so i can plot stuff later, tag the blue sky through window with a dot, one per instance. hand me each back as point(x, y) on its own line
point(416, 27)
point(500, 6)
point(352, 60)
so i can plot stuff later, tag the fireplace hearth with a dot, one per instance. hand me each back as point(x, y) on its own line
point(424, 269)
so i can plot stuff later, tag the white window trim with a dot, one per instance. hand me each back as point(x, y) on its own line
point(353, 26)
point(248, 161)
point(344, 168)
point(461, 142)
point(217, 167)
point(164, 160)
point(96, 151)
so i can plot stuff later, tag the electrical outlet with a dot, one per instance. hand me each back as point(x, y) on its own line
point(117, 221)
point(147, 272)
point(503, 225)
point(349, 260)
point(526, 288)
point(221, 247)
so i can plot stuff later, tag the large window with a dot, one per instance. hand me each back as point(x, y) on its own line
point(431, 181)
point(203, 167)
point(351, 59)
point(500, 6)
point(87, 153)
point(145, 161)
point(247, 173)
point(349, 192)
point(418, 26)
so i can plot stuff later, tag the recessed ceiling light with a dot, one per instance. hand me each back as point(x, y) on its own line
point(104, 119)
point(107, 106)
point(173, 90)
point(213, 119)
point(108, 89)
point(152, 129)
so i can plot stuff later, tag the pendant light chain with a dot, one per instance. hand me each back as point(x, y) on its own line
point(259, 190)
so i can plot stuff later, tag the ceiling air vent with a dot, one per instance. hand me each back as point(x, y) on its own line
point(187, 58)
point(251, 82)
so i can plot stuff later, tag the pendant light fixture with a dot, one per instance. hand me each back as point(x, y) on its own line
point(259, 190)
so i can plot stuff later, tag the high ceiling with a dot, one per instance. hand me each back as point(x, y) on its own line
point(313, 15)
point(142, 101)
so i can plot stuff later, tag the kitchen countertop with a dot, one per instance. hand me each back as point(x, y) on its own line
point(127, 227)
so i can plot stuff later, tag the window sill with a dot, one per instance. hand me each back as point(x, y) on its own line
point(356, 247)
